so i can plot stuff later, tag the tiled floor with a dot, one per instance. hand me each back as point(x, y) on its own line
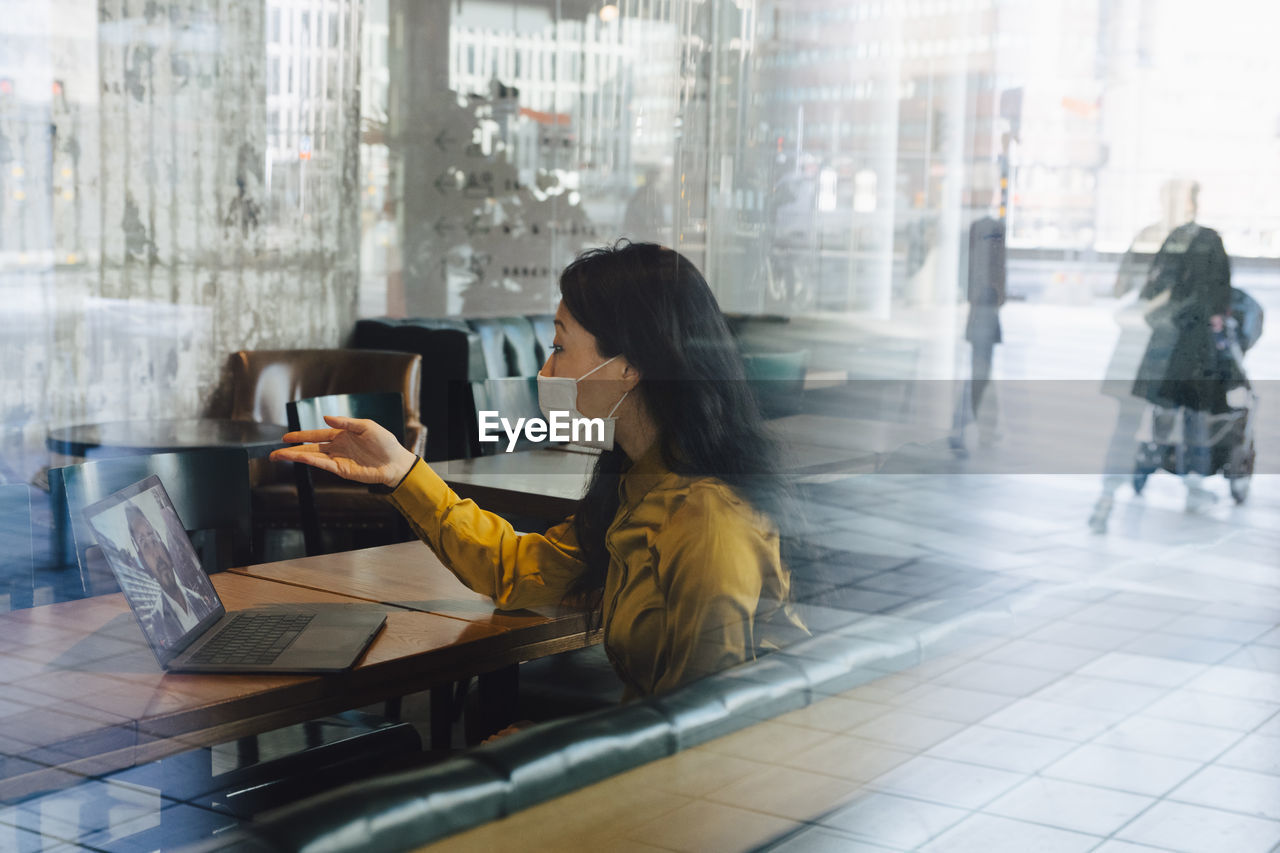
point(1118, 694)
point(1126, 702)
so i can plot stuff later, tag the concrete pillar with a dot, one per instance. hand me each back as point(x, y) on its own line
point(419, 59)
point(214, 236)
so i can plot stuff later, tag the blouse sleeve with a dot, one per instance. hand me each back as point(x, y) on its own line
point(515, 569)
point(711, 564)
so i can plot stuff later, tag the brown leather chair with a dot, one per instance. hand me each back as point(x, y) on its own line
point(264, 381)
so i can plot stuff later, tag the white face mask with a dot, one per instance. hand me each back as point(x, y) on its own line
point(560, 394)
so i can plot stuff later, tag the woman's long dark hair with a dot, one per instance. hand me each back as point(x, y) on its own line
point(649, 304)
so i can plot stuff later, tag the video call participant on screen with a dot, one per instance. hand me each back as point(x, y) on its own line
point(676, 540)
point(174, 614)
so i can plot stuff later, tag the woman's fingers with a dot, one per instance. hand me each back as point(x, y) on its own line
point(352, 448)
point(314, 436)
point(308, 454)
point(352, 425)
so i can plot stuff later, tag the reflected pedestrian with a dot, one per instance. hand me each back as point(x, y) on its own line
point(985, 289)
point(1178, 203)
point(1189, 295)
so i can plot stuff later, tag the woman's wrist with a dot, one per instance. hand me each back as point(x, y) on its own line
point(400, 469)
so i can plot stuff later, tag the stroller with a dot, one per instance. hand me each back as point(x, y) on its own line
point(1163, 440)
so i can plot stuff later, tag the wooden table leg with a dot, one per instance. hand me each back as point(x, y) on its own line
point(442, 714)
point(496, 709)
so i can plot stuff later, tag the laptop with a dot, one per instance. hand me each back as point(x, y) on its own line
point(180, 613)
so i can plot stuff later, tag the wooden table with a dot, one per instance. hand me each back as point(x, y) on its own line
point(81, 694)
point(409, 576)
point(164, 435)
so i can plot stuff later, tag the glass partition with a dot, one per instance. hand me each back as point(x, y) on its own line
point(948, 230)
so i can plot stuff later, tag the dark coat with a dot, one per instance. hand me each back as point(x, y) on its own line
point(985, 281)
point(1189, 282)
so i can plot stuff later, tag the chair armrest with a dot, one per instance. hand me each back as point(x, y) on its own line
point(415, 438)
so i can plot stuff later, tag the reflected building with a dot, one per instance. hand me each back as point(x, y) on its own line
point(312, 66)
point(594, 97)
point(896, 119)
point(542, 122)
point(142, 237)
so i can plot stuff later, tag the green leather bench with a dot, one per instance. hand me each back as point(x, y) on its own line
point(406, 810)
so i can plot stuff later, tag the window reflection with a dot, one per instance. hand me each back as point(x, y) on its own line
point(178, 182)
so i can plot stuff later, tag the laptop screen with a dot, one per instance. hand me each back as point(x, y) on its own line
point(158, 571)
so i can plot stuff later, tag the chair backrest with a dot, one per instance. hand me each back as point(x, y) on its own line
point(493, 342)
point(522, 346)
point(209, 489)
point(265, 381)
point(510, 346)
point(544, 328)
point(449, 347)
point(777, 378)
point(17, 569)
point(452, 358)
point(384, 408)
point(512, 398)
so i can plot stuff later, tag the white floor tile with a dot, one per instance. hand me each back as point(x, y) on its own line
point(1124, 616)
point(950, 783)
point(1142, 669)
point(1053, 719)
point(989, 834)
point(1212, 709)
point(1170, 738)
point(1233, 790)
point(1103, 694)
point(1122, 769)
point(1182, 647)
point(1256, 656)
point(1017, 752)
point(955, 703)
point(1053, 656)
point(1260, 753)
point(1270, 727)
point(1194, 829)
point(1216, 628)
point(1070, 805)
point(1114, 846)
point(894, 821)
point(992, 677)
point(1099, 637)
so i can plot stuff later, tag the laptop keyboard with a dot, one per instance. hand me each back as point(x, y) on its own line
point(253, 638)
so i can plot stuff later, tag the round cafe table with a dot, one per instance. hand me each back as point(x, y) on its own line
point(164, 435)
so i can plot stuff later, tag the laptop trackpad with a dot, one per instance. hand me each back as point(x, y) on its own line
point(332, 641)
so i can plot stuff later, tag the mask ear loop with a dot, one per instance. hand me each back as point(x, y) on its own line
point(619, 403)
point(597, 367)
point(593, 370)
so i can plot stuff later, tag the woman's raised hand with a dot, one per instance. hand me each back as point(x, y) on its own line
point(353, 448)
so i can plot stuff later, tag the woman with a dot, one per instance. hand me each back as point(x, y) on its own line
point(676, 539)
point(1188, 294)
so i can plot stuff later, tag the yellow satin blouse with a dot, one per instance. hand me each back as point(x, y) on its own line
point(695, 583)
